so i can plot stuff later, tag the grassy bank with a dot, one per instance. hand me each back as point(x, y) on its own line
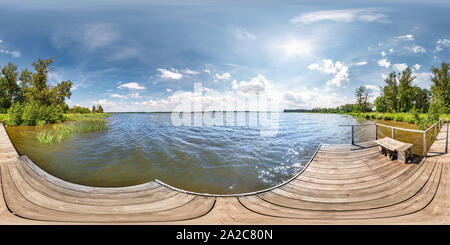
point(397, 117)
point(68, 117)
point(61, 131)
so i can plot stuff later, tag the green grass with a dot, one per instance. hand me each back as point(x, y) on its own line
point(60, 132)
point(397, 117)
point(76, 117)
point(4, 117)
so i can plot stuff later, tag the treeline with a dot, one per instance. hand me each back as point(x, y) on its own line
point(85, 110)
point(400, 95)
point(29, 99)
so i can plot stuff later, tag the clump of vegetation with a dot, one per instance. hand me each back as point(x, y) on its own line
point(33, 101)
point(60, 132)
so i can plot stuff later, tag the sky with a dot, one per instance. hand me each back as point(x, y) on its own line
point(147, 55)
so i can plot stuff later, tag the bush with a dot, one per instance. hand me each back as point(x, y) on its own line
point(15, 114)
point(30, 114)
point(55, 114)
point(387, 117)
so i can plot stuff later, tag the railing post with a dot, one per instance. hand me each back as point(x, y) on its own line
point(393, 133)
point(353, 134)
point(446, 141)
point(376, 132)
point(435, 132)
point(425, 144)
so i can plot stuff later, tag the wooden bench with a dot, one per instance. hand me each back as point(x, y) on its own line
point(394, 148)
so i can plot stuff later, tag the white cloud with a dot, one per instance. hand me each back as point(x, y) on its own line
point(313, 66)
point(416, 49)
point(344, 15)
point(384, 63)
point(13, 53)
point(417, 66)
point(361, 63)
point(207, 71)
point(372, 87)
point(423, 79)
point(399, 67)
point(308, 99)
point(407, 37)
point(391, 50)
point(127, 96)
point(383, 54)
point(166, 74)
point(384, 76)
point(169, 90)
point(190, 72)
point(224, 76)
point(338, 69)
point(131, 86)
point(256, 85)
point(441, 43)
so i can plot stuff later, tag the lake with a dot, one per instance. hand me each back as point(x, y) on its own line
point(141, 147)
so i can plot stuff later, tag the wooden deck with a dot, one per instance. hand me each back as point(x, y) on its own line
point(342, 184)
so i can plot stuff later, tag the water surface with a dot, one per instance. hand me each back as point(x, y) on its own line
point(138, 148)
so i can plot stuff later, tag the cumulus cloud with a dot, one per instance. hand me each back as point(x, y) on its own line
point(361, 63)
point(383, 54)
point(417, 66)
point(391, 50)
point(338, 69)
point(207, 71)
point(127, 96)
point(423, 79)
point(190, 72)
point(406, 37)
point(131, 86)
point(399, 67)
point(343, 15)
point(257, 85)
point(416, 49)
point(167, 74)
point(384, 63)
point(169, 90)
point(224, 76)
point(441, 43)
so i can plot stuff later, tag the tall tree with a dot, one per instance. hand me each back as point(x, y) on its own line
point(405, 91)
point(441, 87)
point(10, 90)
point(390, 92)
point(362, 98)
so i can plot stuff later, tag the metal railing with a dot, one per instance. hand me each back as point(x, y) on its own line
point(437, 126)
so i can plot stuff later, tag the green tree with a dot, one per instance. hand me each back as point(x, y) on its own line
point(390, 92)
point(441, 87)
point(362, 98)
point(9, 89)
point(381, 104)
point(405, 91)
point(100, 109)
point(420, 99)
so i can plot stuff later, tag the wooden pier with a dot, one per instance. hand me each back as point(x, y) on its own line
point(341, 184)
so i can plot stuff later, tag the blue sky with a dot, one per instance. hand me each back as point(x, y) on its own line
point(144, 56)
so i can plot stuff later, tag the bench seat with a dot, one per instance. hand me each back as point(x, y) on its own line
point(394, 148)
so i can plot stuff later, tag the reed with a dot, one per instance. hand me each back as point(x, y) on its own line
point(60, 132)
